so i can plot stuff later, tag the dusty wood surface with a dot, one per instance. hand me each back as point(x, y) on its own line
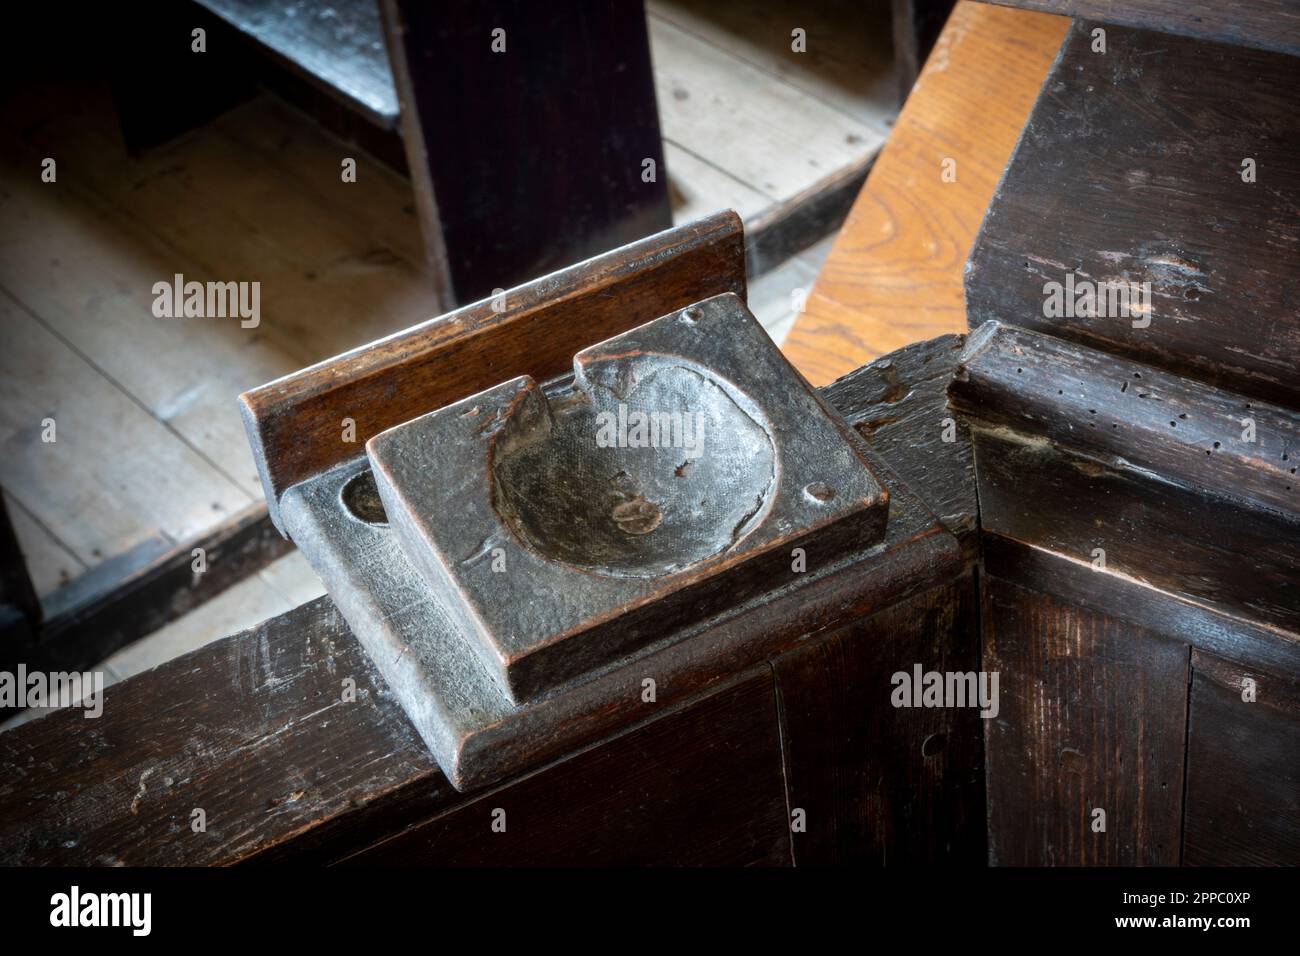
point(899, 403)
point(1169, 122)
point(895, 275)
point(296, 423)
point(1266, 24)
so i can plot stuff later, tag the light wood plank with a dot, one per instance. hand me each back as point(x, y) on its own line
point(847, 62)
point(895, 275)
point(698, 189)
point(90, 276)
point(49, 562)
point(81, 487)
point(759, 129)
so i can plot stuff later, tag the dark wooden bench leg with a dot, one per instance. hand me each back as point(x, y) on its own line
point(530, 129)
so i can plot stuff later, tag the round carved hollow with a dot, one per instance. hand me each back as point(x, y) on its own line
point(646, 479)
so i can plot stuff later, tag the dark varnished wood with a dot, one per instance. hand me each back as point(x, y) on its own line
point(880, 784)
point(701, 785)
point(295, 424)
point(1129, 169)
point(545, 168)
point(1093, 712)
point(1266, 24)
point(899, 404)
point(1243, 767)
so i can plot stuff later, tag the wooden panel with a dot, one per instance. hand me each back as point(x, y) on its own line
point(895, 275)
point(1267, 24)
point(881, 784)
point(536, 176)
point(40, 378)
point(1202, 549)
point(1243, 767)
point(1168, 123)
point(1133, 600)
point(1092, 716)
point(295, 423)
point(655, 795)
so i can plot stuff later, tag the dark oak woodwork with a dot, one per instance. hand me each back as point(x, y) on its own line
point(1093, 712)
point(1267, 24)
point(881, 784)
point(1243, 767)
point(253, 729)
point(1129, 169)
point(701, 785)
point(295, 424)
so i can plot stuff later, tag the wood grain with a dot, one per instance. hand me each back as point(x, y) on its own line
point(646, 798)
point(1093, 712)
point(1157, 197)
point(880, 784)
point(895, 275)
point(1140, 417)
point(1266, 24)
point(1243, 767)
point(295, 423)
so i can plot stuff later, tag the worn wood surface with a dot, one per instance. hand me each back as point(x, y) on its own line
point(1266, 24)
point(1142, 605)
point(295, 424)
point(1243, 767)
point(895, 275)
point(880, 784)
point(1198, 548)
point(1135, 416)
point(899, 404)
point(253, 730)
point(1092, 716)
point(699, 786)
point(1169, 122)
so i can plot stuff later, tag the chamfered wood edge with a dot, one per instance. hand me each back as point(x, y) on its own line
point(1260, 25)
point(1134, 417)
point(295, 423)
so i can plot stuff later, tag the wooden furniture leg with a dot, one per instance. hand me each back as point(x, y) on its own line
point(560, 156)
